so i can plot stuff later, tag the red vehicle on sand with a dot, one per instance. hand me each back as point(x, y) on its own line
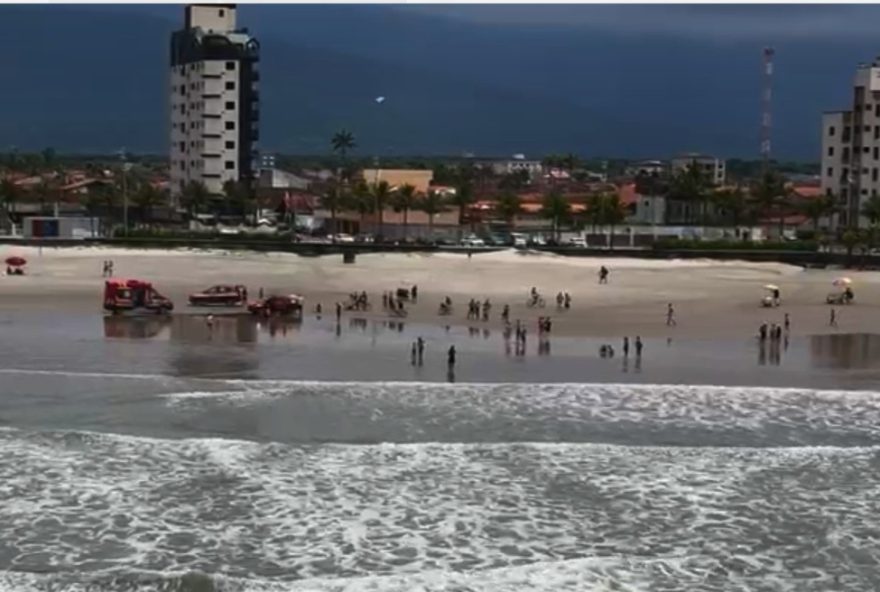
point(220, 295)
point(290, 305)
point(134, 297)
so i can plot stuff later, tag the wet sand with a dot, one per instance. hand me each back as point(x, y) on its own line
point(712, 299)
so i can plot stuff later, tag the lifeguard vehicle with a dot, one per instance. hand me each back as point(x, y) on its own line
point(134, 297)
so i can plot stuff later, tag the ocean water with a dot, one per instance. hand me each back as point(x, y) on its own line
point(150, 481)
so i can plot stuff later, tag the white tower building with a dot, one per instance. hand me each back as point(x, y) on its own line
point(214, 100)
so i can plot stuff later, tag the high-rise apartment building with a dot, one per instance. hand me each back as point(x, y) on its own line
point(851, 149)
point(214, 100)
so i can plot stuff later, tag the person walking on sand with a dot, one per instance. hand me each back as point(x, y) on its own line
point(787, 323)
point(420, 349)
point(832, 319)
point(603, 275)
point(413, 354)
point(638, 346)
point(338, 309)
point(625, 347)
point(670, 315)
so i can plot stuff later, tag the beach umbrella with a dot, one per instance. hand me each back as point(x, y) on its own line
point(15, 261)
point(842, 281)
point(771, 287)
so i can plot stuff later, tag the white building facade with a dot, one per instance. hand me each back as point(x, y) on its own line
point(214, 100)
point(713, 169)
point(851, 149)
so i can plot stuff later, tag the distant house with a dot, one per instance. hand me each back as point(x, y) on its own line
point(713, 169)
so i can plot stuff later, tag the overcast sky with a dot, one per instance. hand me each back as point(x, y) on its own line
point(773, 21)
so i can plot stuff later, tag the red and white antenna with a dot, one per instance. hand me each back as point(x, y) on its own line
point(766, 105)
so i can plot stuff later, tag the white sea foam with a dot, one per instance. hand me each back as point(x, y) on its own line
point(437, 516)
point(656, 413)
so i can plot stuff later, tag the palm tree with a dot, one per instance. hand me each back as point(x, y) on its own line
point(816, 209)
point(769, 194)
point(463, 198)
point(556, 208)
point(691, 187)
point(613, 213)
point(342, 142)
point(432, 203)
point(9, 194)
point(363, 202)
point(333, 200)
point(595, 205)
point(403, 200)
point(508, 207)
point(145, 198)
point(194, 197)
point(381, 193)
point(731, 202)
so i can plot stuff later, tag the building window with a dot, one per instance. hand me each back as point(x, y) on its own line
point(846, 154)
point(230, 85)
point(230, 145)
point(221, 12)
point(876, 153)
point(230, 165)
point(183, 165)
point(864, 192)
point(183, 90)
point(831, 151)
point(230, 105)
point(874, 174)
point(230, 125)
point(830, 171)
point(866, 149)
point(828, 192)
point(867, 128)
point(182, 146)
point(230, 65)
point(831, 131)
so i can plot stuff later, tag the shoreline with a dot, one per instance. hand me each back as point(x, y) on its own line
point(712, 299)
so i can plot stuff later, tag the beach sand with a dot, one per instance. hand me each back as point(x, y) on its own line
point(712, 299)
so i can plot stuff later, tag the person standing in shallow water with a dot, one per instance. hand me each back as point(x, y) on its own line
point(450, 357)
point(420, 350)
point(638, 346)
point(625, 346)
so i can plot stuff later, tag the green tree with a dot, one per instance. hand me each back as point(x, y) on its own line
point(146, 197)
point(690, 187)
point(818, 208)
point(769, 196)
point(381, 193)
point(363, 202)
point(194, 197)
point(9, 194)
point(49, 157)
point(342, 143)
point(557, 209)
point(613, 214)
point(731, 203)
point(508, 207)
point(594, 214)
point(334, 199)
point(403, 200)
point(432, 203)
point(463, 199)
point(235, 198)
